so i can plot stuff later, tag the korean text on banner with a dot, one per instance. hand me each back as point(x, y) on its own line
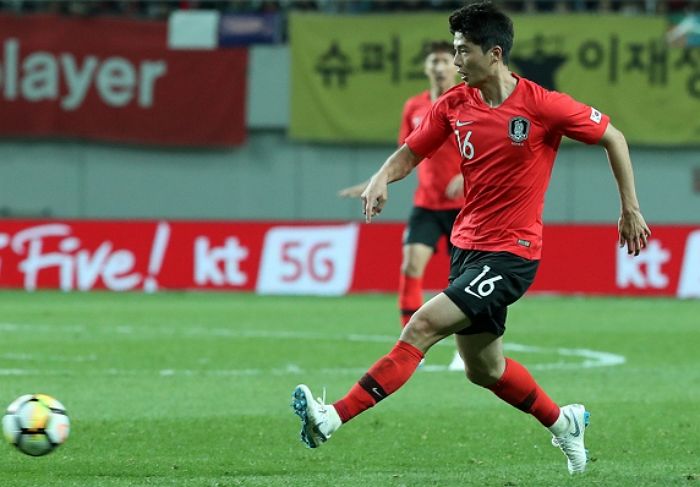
point(351, 75)
point(116, 80)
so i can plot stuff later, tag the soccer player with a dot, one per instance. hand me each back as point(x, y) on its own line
point(508, 130)
point(440, 192)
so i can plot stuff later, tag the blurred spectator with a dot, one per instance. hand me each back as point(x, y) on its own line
point(686, 31)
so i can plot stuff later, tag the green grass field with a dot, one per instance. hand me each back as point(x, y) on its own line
point(194, 390)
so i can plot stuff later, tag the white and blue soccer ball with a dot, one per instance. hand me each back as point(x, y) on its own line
point(36, 424)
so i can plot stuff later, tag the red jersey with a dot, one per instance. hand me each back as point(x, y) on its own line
point(436, 171)
point(507, 156)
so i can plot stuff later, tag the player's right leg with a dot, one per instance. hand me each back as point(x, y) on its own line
point(436, 319)
point(486, 366)
point(510, 381)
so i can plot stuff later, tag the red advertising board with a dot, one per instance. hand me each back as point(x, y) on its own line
point(315, 258)
point(116, 80)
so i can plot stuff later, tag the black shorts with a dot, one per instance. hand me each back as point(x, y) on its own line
point(483, 284)
point(427, 226)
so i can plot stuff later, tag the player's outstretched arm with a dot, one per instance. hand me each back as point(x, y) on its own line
point(632, 228)
point(397, 166)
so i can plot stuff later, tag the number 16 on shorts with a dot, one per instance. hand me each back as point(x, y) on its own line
point(481, 287)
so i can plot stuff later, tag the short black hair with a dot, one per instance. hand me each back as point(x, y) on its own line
point(484, 25)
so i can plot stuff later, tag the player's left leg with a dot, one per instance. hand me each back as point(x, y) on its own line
point(485, 365)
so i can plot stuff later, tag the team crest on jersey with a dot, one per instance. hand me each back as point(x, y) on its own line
point(518, 129)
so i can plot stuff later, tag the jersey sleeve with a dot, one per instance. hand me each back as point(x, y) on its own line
point(566, 116)
point(405, 128)
point(432, 132)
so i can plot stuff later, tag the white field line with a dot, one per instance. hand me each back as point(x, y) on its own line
point(29, 357)
point(588, 358)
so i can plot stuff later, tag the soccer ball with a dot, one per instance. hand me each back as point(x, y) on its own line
point(36, 424)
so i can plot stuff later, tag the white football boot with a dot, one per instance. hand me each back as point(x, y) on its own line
point(318, 420)
point(571, 440)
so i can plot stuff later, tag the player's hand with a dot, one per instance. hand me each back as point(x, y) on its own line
point(633, 231)
point(455, 188)
point(374, 197)
point(352, 191)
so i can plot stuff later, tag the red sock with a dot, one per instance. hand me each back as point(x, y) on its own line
point(387, 374)
point(410, 296)
point(517, 387)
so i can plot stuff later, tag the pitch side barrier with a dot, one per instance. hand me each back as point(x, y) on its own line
point(332, 258)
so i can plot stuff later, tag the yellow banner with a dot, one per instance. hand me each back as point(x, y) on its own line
point(352, 74)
